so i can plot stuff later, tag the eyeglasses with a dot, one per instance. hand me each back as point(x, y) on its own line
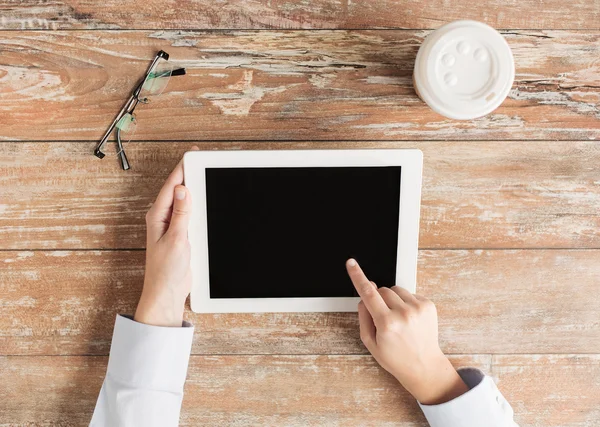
point(154, 82)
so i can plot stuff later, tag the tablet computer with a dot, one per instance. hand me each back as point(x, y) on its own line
point(271, 230)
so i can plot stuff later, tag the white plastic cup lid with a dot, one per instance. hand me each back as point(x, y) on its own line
point(464, 70)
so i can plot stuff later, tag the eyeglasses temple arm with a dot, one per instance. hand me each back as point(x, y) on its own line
point(178, 72)
point(122, 156)
point(98, 151)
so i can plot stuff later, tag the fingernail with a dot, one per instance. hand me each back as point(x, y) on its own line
point(351, 262)
point(179, 193)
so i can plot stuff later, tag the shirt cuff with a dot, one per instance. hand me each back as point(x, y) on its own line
point(482, 405)
point(151, 357)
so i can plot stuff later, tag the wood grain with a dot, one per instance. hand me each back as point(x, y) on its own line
point(269, 14)
point(286, 85)
point(548, 390)
point(475, 194)
point(525, 301)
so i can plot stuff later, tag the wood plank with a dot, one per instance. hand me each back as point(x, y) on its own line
point(268, 14)
point(292, 85)
point(559, 390)
point(475, 194)
point(525, 301)
point(549, 391)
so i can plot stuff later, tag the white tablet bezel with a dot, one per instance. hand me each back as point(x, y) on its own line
point(195, 164)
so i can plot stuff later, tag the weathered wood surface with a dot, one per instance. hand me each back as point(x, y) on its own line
point(475, 194)
point(545, 390)
point(298, 85)
point(269, 14)
point(524, 301)
point(505, 182)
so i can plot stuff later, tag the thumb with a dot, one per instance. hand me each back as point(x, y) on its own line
point(182, 209)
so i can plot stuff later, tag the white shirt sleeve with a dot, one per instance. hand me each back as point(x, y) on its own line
point(146, 372)
point(147, 367)
point(482, 406)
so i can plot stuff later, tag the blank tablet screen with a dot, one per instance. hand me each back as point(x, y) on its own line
point(287, 232)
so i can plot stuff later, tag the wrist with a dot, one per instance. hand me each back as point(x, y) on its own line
point(159, 311)
point(439, 382)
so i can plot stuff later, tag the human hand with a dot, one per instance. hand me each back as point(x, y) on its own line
point(400, 330)
point(168, 277)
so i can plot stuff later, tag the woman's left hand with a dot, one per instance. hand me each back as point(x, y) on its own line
point(168, 278)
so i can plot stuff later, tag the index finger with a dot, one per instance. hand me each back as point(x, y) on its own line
point(368, 293)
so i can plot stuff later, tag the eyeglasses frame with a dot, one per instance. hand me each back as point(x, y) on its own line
point(129, 108)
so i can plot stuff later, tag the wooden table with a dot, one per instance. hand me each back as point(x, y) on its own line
point(510, 230)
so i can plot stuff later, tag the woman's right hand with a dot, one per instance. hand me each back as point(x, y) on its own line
point(400, 330)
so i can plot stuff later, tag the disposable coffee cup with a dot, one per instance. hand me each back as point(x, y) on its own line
point(464, 70)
